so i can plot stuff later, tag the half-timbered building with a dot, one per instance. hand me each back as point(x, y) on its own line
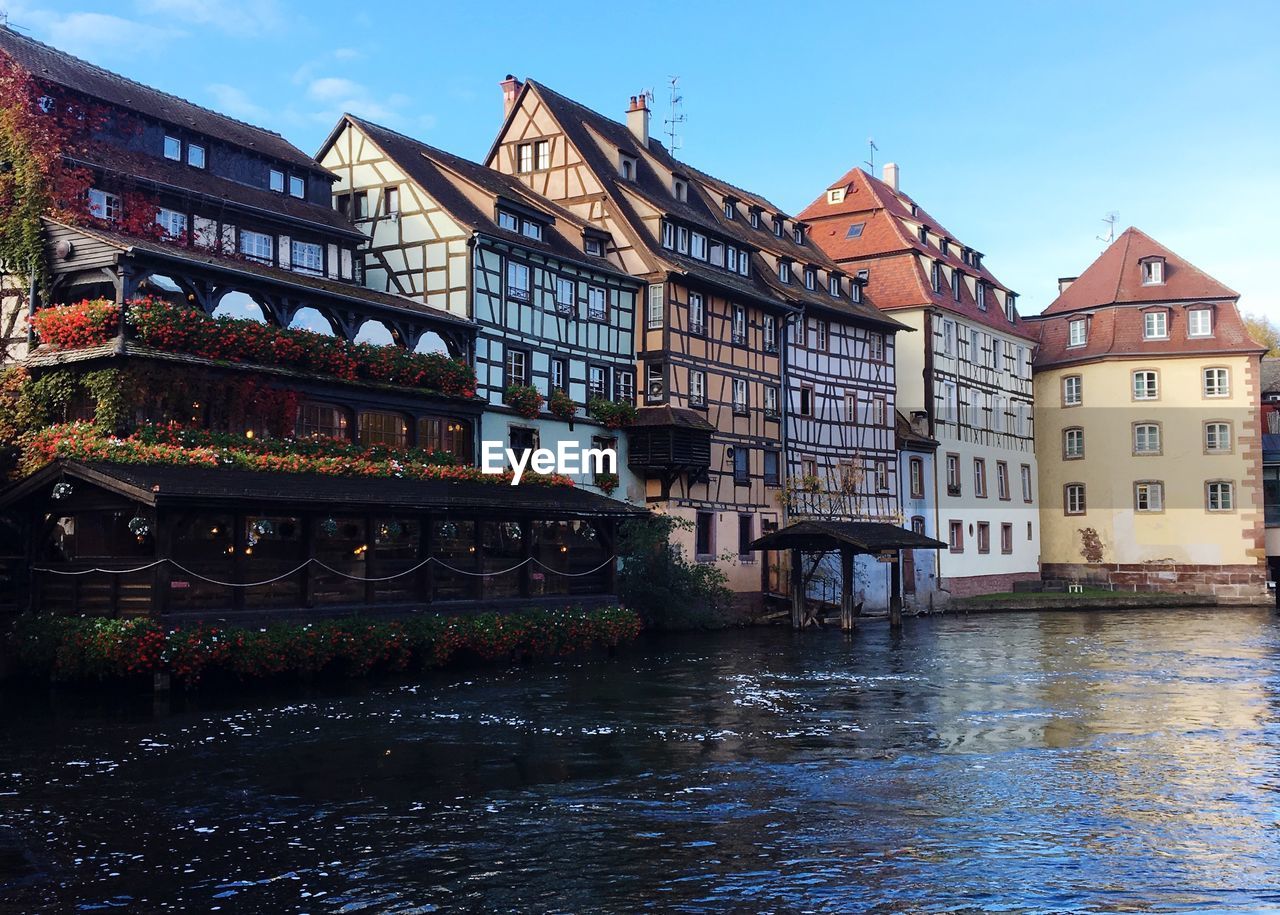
point(302, 471)
point(551, 311)
point(729, 279)
point(968, 369)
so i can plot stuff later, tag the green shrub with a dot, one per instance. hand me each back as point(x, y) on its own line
point(662, 585)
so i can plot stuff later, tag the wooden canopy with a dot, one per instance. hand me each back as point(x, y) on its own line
point(857, 536)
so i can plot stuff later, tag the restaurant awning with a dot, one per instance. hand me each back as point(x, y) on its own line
point(860, 536)
point(213, 486)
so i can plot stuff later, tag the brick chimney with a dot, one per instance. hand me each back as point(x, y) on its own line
point(510, 91)
point(891, 174)
point(638, 118)
point(1064, 282)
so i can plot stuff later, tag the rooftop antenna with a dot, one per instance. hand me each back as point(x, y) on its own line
point(676, 118)
point(1110, 220)
point(871, 161)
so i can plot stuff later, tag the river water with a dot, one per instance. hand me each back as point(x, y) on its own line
point(1025, 763)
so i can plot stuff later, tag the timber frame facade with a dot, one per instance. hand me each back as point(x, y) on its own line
point(729, 277)
point(469, 241)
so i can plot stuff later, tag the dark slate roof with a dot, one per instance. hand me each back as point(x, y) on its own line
point(186, 180)
point(62, 69)
point(442, 175)
point(587, 130)
point(351, 292)
point(668, 415)
point(863, 536)
point(165, 485)
point(1270, 374)
point(908, 437)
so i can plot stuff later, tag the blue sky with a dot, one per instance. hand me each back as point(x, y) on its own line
point(1018, 125)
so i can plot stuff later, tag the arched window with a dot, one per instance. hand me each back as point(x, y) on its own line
point(241, 306)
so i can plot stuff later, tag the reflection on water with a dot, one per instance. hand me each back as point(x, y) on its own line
point(1022, 763)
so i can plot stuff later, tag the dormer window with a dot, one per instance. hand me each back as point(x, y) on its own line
point(957, 283)
point(966, 255)
point(784, 271)
point(810, 278)
point(1011, 307)
point(833, 284)
point(915, 210)
point(172, 148)
point(797, 233)
point(728, 209)
point(777, 226)
point(626, 167)
point(835, 195)
point(594, 247)
point(530, 229)
point(1200, 323)
point(976, 258)
point(297, 187)
point(508, 221)
point(1152, 271)
point(1077, 332)
point(855, 290)
point(680, 188)
point(277, 181)
point(944, 246)
point(755, 218)
point(924, 235)
point(937, 276)
point(195, 155)
point(1155, 325)
point(981, 293)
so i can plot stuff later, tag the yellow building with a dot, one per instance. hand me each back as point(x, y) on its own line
point(1147, 434)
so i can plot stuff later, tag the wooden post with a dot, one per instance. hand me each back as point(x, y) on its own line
point(370, 559)
point(162, 574)
point(895, 591)
point(846, 589)
point(797, 591)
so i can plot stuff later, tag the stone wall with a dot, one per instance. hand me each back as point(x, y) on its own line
point(977, 585)
point(1229, 584)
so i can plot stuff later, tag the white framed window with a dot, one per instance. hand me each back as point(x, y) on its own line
point(1073, 499)
point(739, 324)
point(297, 187)
point(276, 181)
point(728, 209)
point(739, 395)
point(997, 353)
point(957, 284)
point(950, 407)
point(668, 235)
point(565, 289)
point(524, 157)
point(1155, 325)
point(879, 411)
point(1146, 438)
point(770, 401)
point(980, 290)
point(810, 278)
point(195, 155)
point(833, 284)
point(770, 334)
point(1217, 437)
point(307, 257)
point(731, 258)
point(559, 375)
point(784, 271)
point(937, 276)
point(820, 335)
point(656, 306)
point(597, 305)
point(1200, 323)
point(1153, 271)
point(797, 233)
point(517, 366)
point(1077, 332)
point(256, 245)
point(697, 313)
point(1026, 490)
point(680, 189)
point(593, 246)
point(624, 385)
point(1072, 391)
point(1146, 385)
point(530, 229)
point(542, 154)
point(697, 387)
point(1073, 443)
point(171, 222)
point(1220, 496)
point(755, 218)
point(948, 338)
point(104, 205)
point(1217, 382)
point(172, 148)
point(391, 199)
point(1148, 496)
point(698, 246)
point(508, 221)
point(875, 346)
point(597, 387)
point(517, 281)
point(682, 239)
point(744, 263)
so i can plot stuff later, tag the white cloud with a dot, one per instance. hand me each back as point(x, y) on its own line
point(236, 102)
point(248, 18)
point(99, 37)
point(336, 94)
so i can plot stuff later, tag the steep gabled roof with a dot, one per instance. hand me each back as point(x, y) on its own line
point(1115, 278)
point(591, 133)
point(60, 68)
point(444, 176)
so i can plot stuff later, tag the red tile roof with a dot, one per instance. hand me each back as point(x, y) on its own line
point(1115, 278)
point(886, 245)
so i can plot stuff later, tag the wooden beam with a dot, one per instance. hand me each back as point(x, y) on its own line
point(895, 591)
point(797, 591)
point(847, 612)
